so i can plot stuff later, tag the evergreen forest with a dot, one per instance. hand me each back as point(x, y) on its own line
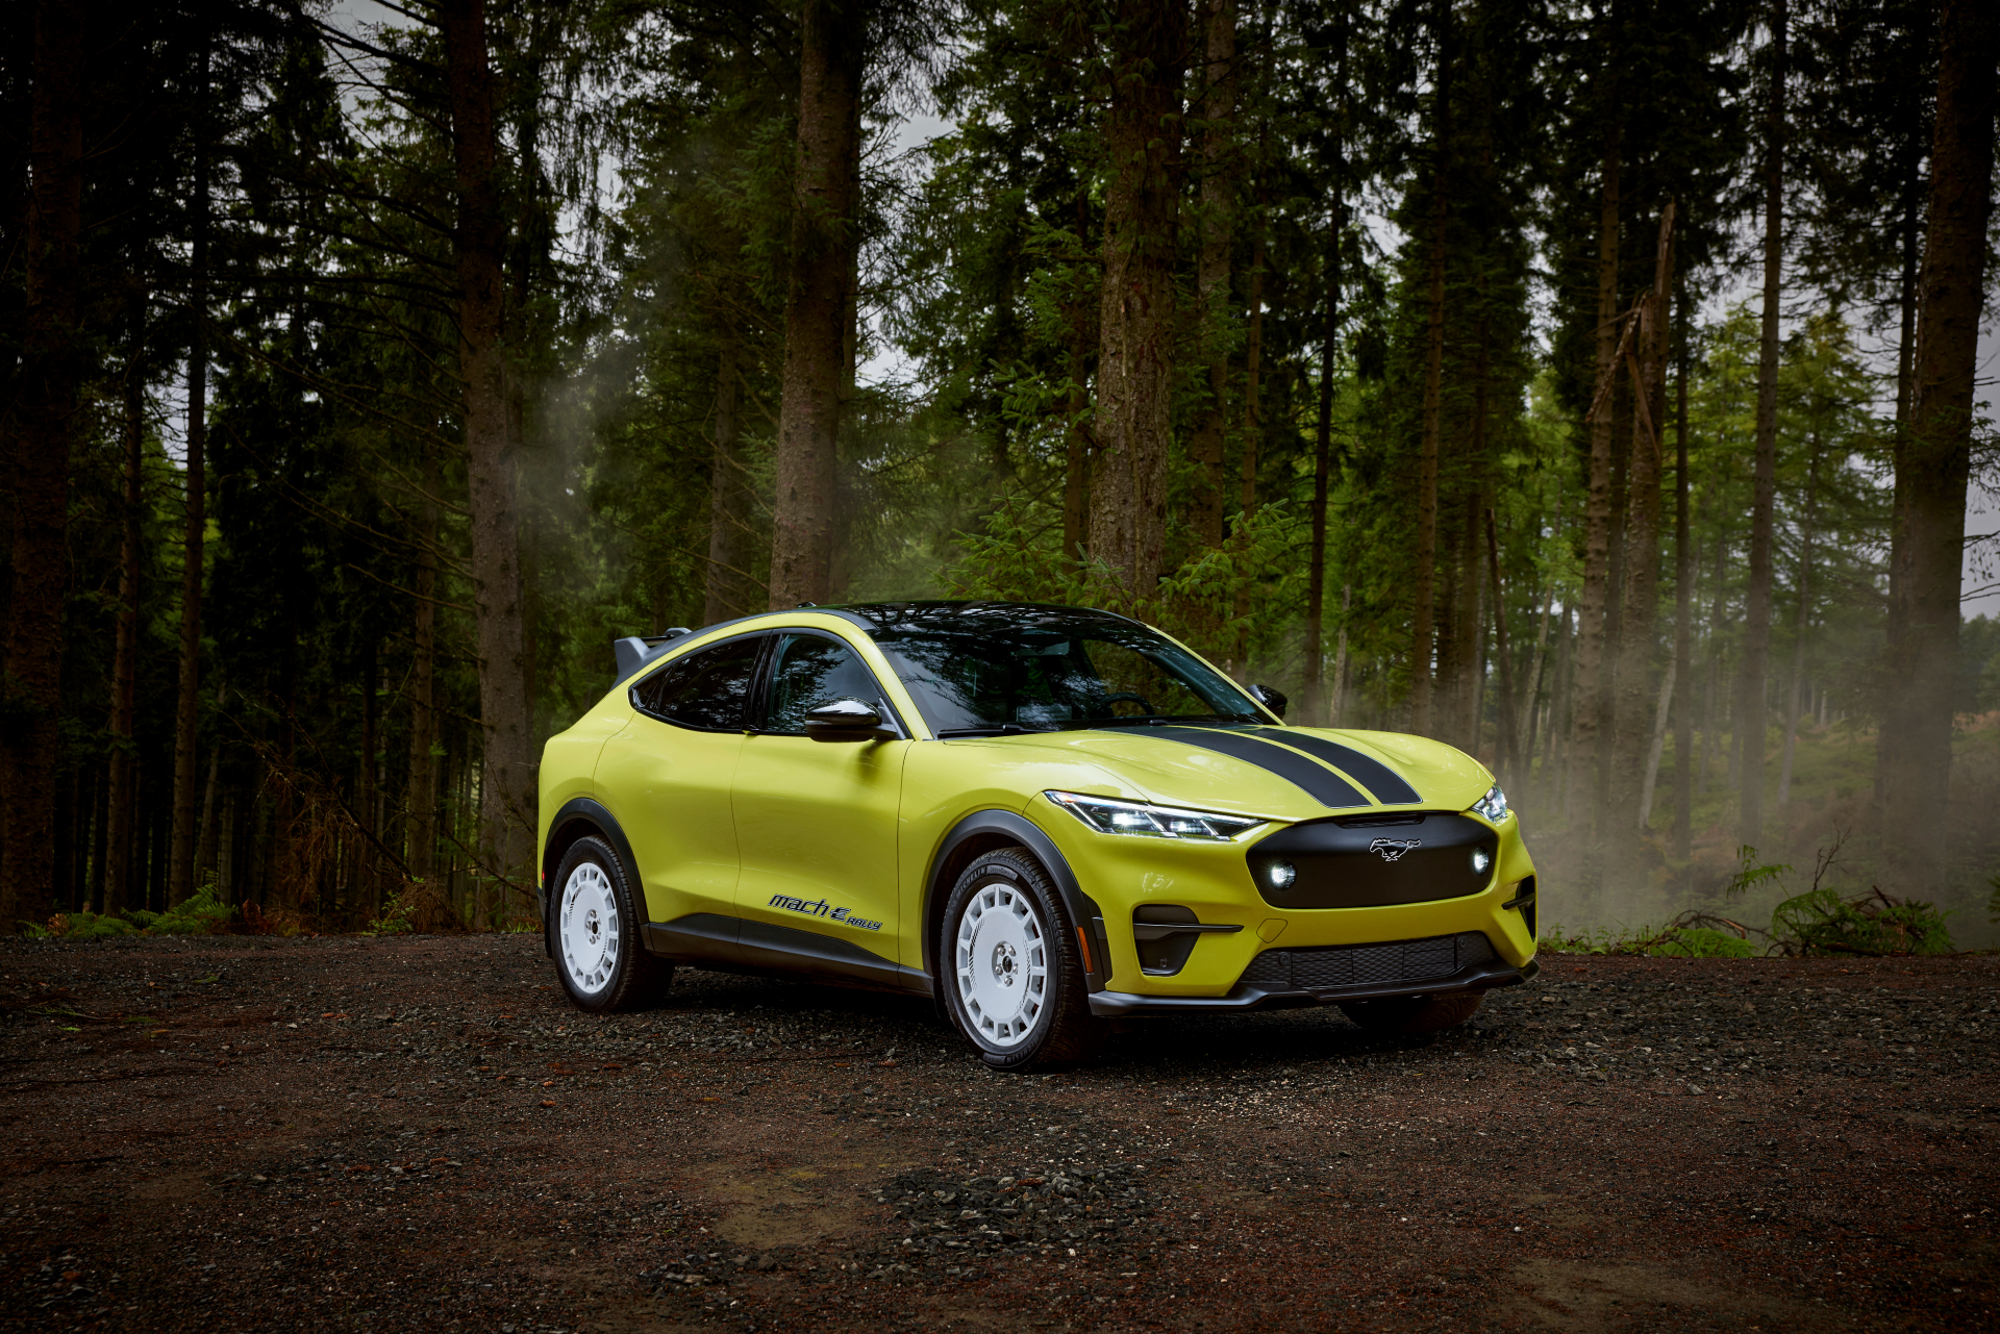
point(1592, 384)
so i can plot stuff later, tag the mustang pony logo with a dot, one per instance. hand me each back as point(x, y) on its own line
point(1392, 848)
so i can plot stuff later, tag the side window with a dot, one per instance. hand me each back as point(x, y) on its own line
point(812, 671)
point(708, 689)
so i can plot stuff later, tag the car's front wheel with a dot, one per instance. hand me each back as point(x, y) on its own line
point(1012, 976)
point(1404, 1016)
point(594, 934)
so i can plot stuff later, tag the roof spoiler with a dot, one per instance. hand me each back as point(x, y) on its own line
point(634, 651)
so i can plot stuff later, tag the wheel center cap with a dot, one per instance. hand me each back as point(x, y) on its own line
point(590, 923)
point(1006, 963)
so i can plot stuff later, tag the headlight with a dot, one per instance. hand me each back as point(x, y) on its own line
point(1493, 805)
point(1128, 817)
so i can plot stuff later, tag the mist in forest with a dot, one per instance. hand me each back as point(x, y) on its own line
point(1594, 388)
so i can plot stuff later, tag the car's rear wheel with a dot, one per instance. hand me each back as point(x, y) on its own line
point(594, 934)
point(1013, 979)
point(1402, 1016)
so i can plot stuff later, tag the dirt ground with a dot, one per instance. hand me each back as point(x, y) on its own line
point(336, 1133)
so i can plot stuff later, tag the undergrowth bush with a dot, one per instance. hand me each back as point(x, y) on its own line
point(1820, 921)
point(1692, 935)
point(202, 914)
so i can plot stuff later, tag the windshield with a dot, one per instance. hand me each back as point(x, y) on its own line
point(1048, 675)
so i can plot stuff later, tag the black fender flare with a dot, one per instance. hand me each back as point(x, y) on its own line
point(981, 832)
point(578, 818)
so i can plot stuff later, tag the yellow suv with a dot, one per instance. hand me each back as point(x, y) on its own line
point(1044, 818)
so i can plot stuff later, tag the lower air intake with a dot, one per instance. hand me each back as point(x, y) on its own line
point(1330, 967)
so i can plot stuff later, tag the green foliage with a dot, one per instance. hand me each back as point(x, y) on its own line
point(1820, 921)
point(395, 919)
point(1702, 942)
point(1215, 601)
point(1692, 935)
point(1750, 873)
point(203, 914)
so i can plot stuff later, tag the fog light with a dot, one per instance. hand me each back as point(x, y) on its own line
point(1282, 875)
point(1481, 859)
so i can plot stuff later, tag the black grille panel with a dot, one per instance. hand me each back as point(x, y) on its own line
point(1371, 860)
point(1330, 967)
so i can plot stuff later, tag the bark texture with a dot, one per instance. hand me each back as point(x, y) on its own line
point(1755, 664)
point(1933, 456)
point(1588, 706)
point(194, 478)
point(818, 312)
point(507, 780)
point(732, 541)
point(1425, 611)
point(1683, 601)
point(1220, 168)
point(123, 800)
point(45, 421)
point(1632, 756)
point(1128, 492)
point(421, 856)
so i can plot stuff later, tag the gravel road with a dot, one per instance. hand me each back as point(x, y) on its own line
point(337, 1133)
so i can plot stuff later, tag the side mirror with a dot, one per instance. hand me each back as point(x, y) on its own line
point(846, 720)
point(1274, 700)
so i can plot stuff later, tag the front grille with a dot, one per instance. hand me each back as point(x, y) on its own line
point(1330, 967)
point(1367, 861)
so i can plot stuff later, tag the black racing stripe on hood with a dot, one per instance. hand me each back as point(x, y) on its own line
point(1324, 784)
point(1387, 785)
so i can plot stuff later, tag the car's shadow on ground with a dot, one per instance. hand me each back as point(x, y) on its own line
point(1143, 1048)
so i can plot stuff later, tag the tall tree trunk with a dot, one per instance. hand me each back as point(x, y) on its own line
point(1683, 598)
point(45, 423)
point(1562, 705)
point(204, 849)
point(1797, 679)
point(1752, 671)
point(1315, 711)
point(1657, 741)
point(1712, 690)
point(1220, 168)
point(1253, 435)
point(731, 539)
point(1507, 759)
point(1933, 457)
point(1632, 765)
point(1587, 708)
point(1425, 592)
point(1340, 659)
point(123, 801)
point(817, 313)
point(1128, 492)
point(187, 709)
point(421, 854)
point(507, 787)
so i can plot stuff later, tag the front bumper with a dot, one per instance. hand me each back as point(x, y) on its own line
point(1264, 995)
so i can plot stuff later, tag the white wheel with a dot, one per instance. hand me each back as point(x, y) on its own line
point(588, 931)
point(1001, 964)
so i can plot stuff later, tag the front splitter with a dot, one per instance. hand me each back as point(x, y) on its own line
point(1250, 996)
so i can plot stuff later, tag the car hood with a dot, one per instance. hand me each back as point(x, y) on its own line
point(1286, 773)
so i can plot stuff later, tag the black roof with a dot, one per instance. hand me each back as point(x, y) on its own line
point(972, 617)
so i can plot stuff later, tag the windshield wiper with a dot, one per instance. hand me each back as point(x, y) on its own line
point(1168, 720)
point(998, 729)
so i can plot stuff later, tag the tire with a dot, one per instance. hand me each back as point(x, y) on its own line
point(593, 933)
point(1012, 978)
point(1405, 1016)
